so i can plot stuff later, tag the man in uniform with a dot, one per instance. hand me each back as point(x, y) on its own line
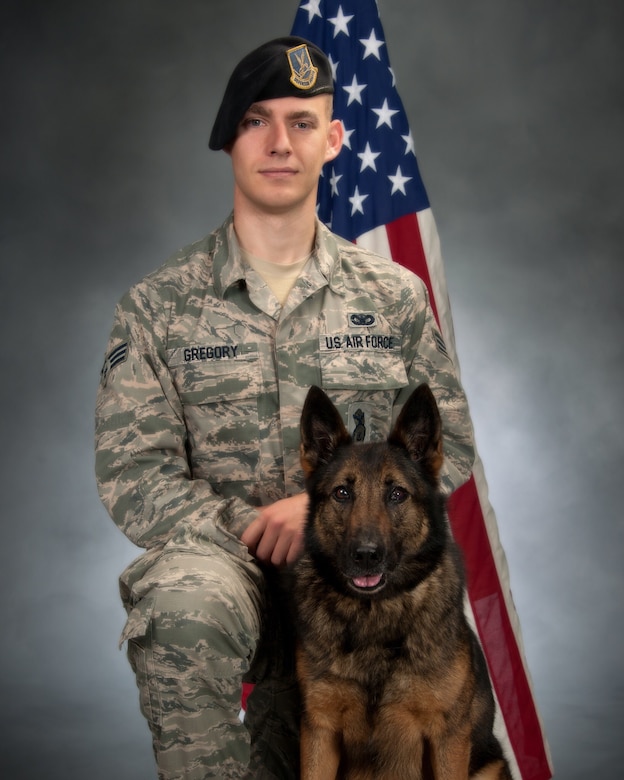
point(197, 421)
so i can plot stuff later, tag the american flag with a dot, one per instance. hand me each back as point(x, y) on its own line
point(372, 194)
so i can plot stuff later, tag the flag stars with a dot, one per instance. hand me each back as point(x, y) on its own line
point(368, 158)
point(333, 181)
point(377, 165)
point(346, 141)
point(356, 202)
point(371, 46)
point(340, 22)
point(399, 181)
point(409, 143)
point(355, 92)
point(384, 114)
point(313, 9)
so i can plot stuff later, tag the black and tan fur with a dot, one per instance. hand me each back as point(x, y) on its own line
point(393, 680)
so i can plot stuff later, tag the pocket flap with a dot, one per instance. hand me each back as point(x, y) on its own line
point(138, 620)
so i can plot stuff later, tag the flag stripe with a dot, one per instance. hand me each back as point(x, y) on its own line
point(402, 233)
point(507, 670)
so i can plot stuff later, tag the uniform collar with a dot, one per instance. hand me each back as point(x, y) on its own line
point(229, 268)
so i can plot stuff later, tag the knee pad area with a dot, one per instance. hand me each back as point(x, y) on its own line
point(198, 629)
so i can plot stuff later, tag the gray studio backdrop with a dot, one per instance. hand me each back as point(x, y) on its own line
point(517, 109)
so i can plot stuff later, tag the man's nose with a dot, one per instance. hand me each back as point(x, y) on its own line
point(279, 141)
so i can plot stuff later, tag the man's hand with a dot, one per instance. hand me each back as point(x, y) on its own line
point(276, 535)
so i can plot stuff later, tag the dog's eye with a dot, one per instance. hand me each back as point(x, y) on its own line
point(341, 493)
point(397, 495)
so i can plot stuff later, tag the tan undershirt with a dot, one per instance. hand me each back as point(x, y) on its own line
point(279, 277)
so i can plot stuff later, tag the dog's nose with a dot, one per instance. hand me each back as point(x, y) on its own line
point(367, 555)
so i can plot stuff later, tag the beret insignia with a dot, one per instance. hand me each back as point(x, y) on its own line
point(302, 72)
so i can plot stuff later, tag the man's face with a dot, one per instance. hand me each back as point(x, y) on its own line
point(279, 150)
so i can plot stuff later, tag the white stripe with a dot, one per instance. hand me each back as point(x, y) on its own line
point(433, 254)
point(502, 571)
point(376, 240)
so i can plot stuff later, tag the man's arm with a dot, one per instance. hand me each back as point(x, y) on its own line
point(428, 361)
point(142, 469)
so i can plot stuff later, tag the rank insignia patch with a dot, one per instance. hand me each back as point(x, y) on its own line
point(116, 356)
point(302, 72)
point(440, 344)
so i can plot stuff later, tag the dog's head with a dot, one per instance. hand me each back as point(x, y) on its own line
point(376, 522)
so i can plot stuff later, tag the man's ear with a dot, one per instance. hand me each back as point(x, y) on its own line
point(335, 137)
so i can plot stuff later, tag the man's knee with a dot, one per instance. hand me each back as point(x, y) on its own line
point(209, 616)
point(198, 634)
point(198, 641)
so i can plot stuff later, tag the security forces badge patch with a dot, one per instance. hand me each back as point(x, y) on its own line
point(302, 72)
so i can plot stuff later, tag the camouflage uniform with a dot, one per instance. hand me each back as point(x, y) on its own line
point(198, 424)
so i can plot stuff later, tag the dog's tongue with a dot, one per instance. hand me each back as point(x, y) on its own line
point(367, 582)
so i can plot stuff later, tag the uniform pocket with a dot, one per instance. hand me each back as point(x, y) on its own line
point(219, 392)
point(137, 632)
point(362, 374)
point(210, 374)
point(362, 360)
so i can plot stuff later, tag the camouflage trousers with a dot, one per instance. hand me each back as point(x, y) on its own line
point(210, 623)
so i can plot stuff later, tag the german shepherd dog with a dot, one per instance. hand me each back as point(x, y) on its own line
point(393, 680)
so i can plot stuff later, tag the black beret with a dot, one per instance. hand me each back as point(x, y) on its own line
point(284, 67)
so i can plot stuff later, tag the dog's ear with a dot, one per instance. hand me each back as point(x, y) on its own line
point(322, 430)
point(418, 430)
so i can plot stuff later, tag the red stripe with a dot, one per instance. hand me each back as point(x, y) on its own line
point(499, 642)
point(484, 588)
point(247, 689)
point(407, 249)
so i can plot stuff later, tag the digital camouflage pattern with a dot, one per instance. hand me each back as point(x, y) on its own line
point(194, 717)
point(197, 418)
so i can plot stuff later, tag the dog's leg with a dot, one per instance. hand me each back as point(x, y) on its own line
point(399, 743)
point(450, 757)
point(320, 753)
point(321, 725)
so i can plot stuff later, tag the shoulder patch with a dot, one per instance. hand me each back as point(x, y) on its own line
point(115, 357)
point(440, 344)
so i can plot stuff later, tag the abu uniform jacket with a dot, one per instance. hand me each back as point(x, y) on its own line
point(197, 419)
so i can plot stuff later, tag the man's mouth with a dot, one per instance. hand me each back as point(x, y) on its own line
point(278, 172)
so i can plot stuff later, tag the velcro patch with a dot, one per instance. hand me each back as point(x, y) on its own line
point(115, 357)
point(440, 344)
point(362, 319)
